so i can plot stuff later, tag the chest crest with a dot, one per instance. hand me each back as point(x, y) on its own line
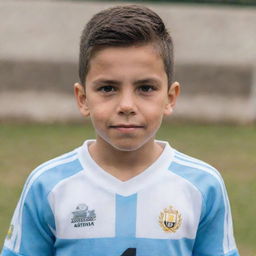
point(170, 220)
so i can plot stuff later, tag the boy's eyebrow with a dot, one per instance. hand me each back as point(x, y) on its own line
point(103, 81)
point(147, 81)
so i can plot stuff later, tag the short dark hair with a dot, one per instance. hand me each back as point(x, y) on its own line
point(125, 26)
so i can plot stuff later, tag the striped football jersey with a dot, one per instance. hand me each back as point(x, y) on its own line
point(70, 206)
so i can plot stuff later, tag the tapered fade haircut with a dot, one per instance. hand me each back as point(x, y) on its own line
point(124, 26)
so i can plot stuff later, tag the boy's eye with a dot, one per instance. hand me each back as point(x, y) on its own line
point(107, 88)
point(147, 88)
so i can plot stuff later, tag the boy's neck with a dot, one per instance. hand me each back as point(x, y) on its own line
point(118, 163)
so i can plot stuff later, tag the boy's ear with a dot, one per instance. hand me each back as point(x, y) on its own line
point(173, 93)
point(81, 99)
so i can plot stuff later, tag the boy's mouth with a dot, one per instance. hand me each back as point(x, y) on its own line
point(126, 127)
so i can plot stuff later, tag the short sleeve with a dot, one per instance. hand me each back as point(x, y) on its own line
point(32, 227)
point(215, 231)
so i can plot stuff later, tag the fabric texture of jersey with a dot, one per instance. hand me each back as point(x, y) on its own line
point(70, 206)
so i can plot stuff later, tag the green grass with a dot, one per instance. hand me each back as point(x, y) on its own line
point(231, 149)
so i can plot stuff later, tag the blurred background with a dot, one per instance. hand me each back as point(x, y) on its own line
point(215, 58)
point(214, 120)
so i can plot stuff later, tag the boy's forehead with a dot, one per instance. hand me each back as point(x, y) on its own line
point(144, 55)
point(142, 62)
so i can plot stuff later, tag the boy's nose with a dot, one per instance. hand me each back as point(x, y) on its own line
point(127, 105)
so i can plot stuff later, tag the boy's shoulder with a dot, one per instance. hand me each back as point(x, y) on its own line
point(194, 165)
point(203, 176)
point(50, 173)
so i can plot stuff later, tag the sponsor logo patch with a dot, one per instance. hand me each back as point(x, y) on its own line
point(83, 217)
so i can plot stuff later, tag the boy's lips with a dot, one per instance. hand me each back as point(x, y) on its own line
point(126, 127)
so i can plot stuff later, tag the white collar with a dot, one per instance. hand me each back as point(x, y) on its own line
point(133, 185)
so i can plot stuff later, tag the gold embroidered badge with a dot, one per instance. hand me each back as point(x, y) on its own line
point(170, 219)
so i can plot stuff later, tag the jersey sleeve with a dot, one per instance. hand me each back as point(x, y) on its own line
point(32, 227)
point(215, 231)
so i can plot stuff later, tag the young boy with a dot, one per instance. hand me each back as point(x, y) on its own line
point(124, 193)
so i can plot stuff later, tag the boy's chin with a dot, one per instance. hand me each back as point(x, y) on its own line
point(125, 144)
point(123, 148)
point(128, 146)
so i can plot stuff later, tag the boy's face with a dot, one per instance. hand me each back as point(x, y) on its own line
point(126, 95)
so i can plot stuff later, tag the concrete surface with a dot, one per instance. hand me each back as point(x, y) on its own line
point(215, 55)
